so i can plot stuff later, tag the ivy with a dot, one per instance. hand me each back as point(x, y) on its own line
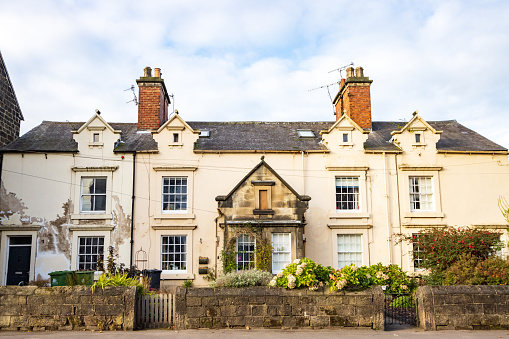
point(263, 250)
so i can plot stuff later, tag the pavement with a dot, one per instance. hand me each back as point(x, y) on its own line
point(258, 333)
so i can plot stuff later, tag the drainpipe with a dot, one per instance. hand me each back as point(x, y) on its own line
point(399, 206)
point(389, 247)
point(132, 210)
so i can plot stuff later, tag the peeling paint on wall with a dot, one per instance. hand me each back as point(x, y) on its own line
point(10, 204)
point(54, 236)
point(122, 222)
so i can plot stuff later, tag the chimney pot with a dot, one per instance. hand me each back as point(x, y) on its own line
point(349, 72)
point(157, 72)
point(147, 72)
point(359, 72)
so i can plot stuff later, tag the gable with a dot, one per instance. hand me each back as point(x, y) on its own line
point(263, 194)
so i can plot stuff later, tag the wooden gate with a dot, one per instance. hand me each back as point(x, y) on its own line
point(155, 311)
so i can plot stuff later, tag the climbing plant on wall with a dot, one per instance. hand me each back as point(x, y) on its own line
point(262, 255)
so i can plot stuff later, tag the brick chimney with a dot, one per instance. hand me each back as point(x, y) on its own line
point(153, 100)
point(354, 98)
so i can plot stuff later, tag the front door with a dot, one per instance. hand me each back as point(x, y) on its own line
point(18, 267)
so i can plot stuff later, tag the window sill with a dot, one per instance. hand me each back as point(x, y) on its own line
point(175, 216)
point(348, 215)
point(177, 276)
point(418, 214)
point(91, 216)
point(263, 212)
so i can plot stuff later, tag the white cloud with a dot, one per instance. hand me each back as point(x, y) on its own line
point(230, 60)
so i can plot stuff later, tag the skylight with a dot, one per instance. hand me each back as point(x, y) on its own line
point(204, 133)
point(305, 133)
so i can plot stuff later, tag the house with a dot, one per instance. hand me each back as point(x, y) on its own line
point(184, 196)
point(10, 112)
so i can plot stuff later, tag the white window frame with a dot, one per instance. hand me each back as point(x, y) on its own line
point(89, 172)
point(411, 217)
point(77, 233)
point(359, 253)
point(176, 194)
point(185, 253)
point(79, 254)
point(250, 263)
point(286, 249)
point(93, 195)
point(356, 195)
point(364, 203)
point(427, 185)
point(365, 244)
point(172, 171)
point(418, 267)
point(157, 243)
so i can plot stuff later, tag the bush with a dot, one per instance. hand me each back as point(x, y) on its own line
point(391, 276)
point(402, 301)
point(302, 273)
point(470, 271)
point(440, 248)
point(243, 279)
point(119, 279)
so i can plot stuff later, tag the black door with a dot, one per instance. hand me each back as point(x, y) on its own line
point(18, 269)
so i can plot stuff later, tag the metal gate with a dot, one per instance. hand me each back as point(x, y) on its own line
point(400, 309)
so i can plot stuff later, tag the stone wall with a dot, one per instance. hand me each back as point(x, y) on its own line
point(463, 307)
point(277, 307)
point(30, 308)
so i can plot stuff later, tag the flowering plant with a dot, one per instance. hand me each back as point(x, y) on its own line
point(302, 273)
point(440, 248)
point(391, 276)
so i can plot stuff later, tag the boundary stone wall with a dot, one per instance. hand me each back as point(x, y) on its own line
point(463, 307)
point(277, 307)
point(30, 308)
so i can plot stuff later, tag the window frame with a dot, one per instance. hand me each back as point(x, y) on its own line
point(79, 254)
point(277, 251)
point(360, 253)
point(357, 194)
point(169, 194)
point(105, 194)
point(250, 263)
point(162, 253)
point(77, 233)
point(431, 202)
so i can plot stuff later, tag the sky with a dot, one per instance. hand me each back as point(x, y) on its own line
point(260, 60)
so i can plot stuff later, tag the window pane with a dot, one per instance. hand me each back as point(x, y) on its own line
point(88, 251)
point(421, 193)
point(100, 185)
point(281, 254)
point(349, 249)
point(347, 193)
point(245, 248)
point(173, 255)
point(174, 196)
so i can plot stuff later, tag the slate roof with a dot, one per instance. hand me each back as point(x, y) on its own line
point(248, 136)
point(255, 135)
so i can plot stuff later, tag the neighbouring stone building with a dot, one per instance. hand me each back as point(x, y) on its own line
point(333, 191)
point(10, 112)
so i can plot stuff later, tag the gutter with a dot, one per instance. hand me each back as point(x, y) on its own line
point(258, 151)
point(132, 211)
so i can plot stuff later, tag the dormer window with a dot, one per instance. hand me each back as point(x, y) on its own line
point(95, 138)
point(175, 137)
point(417, 138)
point(345, 137)
point(305, 133)
point(204, 133)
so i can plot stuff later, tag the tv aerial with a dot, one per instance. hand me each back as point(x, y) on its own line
point(135, 99)
point(340, 69)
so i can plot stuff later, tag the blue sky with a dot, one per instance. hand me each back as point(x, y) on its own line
point(257, 60)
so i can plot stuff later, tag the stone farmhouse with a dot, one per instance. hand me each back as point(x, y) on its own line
point(172, 194)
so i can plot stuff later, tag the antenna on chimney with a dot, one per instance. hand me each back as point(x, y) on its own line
point(135, 99)
point(334, 83)
point(172, 101)
point(342, 68)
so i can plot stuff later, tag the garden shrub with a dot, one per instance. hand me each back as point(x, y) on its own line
point(245, 278)
point(470, 271)
point(402, 301)
point(391, 276)
point(302, 273)
point(440, 248)
point(119, 279)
